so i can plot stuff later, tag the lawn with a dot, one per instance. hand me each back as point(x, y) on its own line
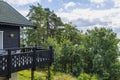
point(42, 75)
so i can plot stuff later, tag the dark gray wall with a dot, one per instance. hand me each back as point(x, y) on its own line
point(9, 42)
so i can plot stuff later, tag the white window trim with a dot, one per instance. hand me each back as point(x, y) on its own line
point(2, 38)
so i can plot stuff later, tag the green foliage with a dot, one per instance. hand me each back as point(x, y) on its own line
point(57, 50)
point(47, 25)
point(93, 52)
point(105, 75)
point(115, 71)
point(26, 75)
point(85, 76)
point(63, 76)
point(102, 51)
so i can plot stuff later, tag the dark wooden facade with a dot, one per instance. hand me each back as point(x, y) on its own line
point(10, 23)
point(9, 42)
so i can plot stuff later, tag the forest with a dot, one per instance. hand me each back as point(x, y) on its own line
point(90, 55)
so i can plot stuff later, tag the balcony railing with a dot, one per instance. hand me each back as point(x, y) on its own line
point(13, 60)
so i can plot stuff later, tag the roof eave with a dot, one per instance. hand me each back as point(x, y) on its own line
point(20, 25)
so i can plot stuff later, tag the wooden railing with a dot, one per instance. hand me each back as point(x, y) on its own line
point(13, 60)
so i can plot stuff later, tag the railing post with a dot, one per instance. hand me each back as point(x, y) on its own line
point(50, 61)
point(33, 63)
point(9, 64)
point(51, 55)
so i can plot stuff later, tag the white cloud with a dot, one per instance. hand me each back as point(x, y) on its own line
point(21, 2)
point(70, 4)
point(24, 12)
point(110, 16)
point(117, 3)
point(49, 0)
point(60, 10)
point(97, 1)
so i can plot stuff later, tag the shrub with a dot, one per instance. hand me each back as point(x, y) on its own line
point(85, 76)
point(63, 76)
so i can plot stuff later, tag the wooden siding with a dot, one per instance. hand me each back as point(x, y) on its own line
point(9, 42)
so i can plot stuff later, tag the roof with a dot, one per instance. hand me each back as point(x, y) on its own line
point(9, 16)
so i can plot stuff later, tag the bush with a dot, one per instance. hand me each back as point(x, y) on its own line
point(63, 76)
point(85, 76)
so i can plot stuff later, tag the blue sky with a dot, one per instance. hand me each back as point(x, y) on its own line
point(85, 14)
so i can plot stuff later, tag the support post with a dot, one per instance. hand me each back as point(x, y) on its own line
point(32, 74)
point(49, 75)
point(50, 62)
point(51, 55)
point(9, 63)
point(33, 63)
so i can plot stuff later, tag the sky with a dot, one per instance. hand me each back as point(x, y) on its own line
point(85, 14)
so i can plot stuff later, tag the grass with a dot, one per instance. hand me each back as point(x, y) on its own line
point(42, 75)
point(63, 76)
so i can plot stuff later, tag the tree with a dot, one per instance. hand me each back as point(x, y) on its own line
point(71, 33)
point(101, 43)
point(115, 71)
point(93, 52)
point(37, 17)
point(46, 23)
point(53, 23)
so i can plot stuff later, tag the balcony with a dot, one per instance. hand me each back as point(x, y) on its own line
point(14, 60)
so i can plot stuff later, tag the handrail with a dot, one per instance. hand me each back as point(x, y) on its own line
point(22, 48)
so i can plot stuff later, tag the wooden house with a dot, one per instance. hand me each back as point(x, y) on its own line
point(10, 23)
